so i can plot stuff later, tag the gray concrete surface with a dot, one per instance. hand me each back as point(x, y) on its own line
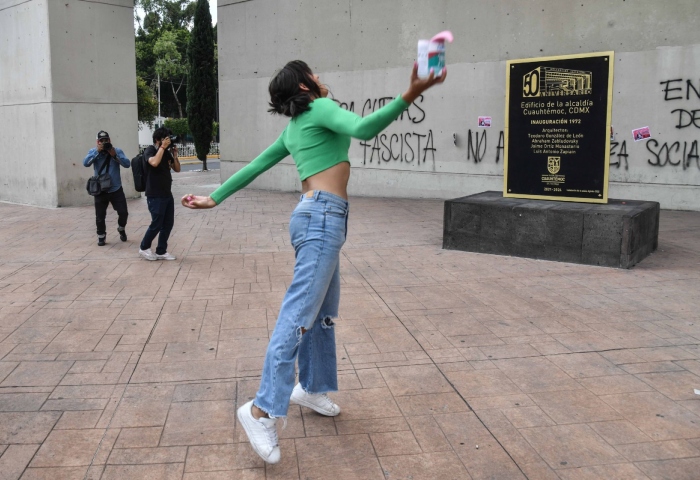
point(364, 52)
point(67, 71)
point(619, 234)
point(113, 367)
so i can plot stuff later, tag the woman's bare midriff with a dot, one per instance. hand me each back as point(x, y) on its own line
point(333, 180)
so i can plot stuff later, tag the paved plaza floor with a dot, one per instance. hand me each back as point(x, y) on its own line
point(452, 365)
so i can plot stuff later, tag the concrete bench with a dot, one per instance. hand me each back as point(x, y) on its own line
point(619, 234)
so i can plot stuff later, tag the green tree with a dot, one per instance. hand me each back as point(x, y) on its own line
point(147, 102)
point(174, 13)
point(169, 64)
point(178, 126)
point(201, 88)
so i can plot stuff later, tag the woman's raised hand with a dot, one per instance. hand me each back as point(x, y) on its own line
point(197, 202)
point(419, 85)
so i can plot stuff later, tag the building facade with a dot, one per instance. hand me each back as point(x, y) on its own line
point(364, 51)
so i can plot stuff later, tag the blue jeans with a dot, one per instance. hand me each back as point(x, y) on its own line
point(304, 326)
point(162, 220)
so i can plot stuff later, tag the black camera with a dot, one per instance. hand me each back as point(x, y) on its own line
point(107, 146)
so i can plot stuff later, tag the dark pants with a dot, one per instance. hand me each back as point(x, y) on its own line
point(118, 201)
point(162, 221)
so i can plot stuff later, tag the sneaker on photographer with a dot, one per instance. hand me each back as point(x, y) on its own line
point(147, 254)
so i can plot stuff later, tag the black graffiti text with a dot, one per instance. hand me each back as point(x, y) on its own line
point(676, 154)
point(669, 90)
point(476, 145)
point(501, 146)
point(414, 113)
point(406, 147)
point(621, 155)
point(687, 118)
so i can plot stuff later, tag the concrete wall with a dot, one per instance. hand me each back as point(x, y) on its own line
point(67, 71)
point(364, 51)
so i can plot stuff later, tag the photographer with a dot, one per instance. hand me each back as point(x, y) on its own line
point(161, 157)
point(106, 152)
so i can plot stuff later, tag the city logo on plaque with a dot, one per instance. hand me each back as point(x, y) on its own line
point(553, 164)
point(557, 82)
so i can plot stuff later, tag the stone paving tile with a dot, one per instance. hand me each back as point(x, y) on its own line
point(22, 402)
point(349, 456)
point(574, 406)
point(36, 374)
point(677, 469)
point(567, 446)
point(622, 471)
point(199, 423)
point(143, 406)
point(26, 427)
point(425, 466)
point(78, 420)
point(68, 448)
point(553, 370)
point(168, 471)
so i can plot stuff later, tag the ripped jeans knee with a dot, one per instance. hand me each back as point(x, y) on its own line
point(326, 322)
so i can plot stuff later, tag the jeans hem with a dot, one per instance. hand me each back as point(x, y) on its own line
point(268, 413)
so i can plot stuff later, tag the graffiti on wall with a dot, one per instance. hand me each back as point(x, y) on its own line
point(416, 146)
point(618, 154)
point(411, 146)
point(682, 93)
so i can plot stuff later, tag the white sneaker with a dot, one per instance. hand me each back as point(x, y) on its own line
point(165, 256)
point(147, 254)
point(315, 401)
point(262, 433)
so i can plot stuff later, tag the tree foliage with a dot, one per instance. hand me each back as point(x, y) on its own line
point(161, 17)
point(201, 88)
point(169, 64)
point(147, 102)
point(173, 13)
point(162, 41)
point(178, 126)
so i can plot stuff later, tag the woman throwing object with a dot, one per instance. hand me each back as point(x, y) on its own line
point(318, 138)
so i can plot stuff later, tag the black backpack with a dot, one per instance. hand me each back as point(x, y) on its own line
point(138, 168)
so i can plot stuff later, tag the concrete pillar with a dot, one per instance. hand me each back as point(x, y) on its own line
point(67, 70)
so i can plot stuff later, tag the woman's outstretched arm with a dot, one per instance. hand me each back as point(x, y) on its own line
point(263, 162)
point(339, 120)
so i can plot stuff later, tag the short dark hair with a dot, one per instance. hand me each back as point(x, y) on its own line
point(286, 98)
point(161, 133)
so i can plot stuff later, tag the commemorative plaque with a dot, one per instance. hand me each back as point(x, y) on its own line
point(557, 134)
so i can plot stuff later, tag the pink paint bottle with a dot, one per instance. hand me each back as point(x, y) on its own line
point(431, 54)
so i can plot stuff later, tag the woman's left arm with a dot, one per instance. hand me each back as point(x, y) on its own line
point(263, 162)
point(337, 119)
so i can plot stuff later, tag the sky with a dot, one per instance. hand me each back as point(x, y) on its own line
point(212, 9)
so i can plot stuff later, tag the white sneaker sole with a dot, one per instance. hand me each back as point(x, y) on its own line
point(245, 423)
point(151, 259)
point(313, 407)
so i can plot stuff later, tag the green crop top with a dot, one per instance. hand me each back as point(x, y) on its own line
point(317, 140)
